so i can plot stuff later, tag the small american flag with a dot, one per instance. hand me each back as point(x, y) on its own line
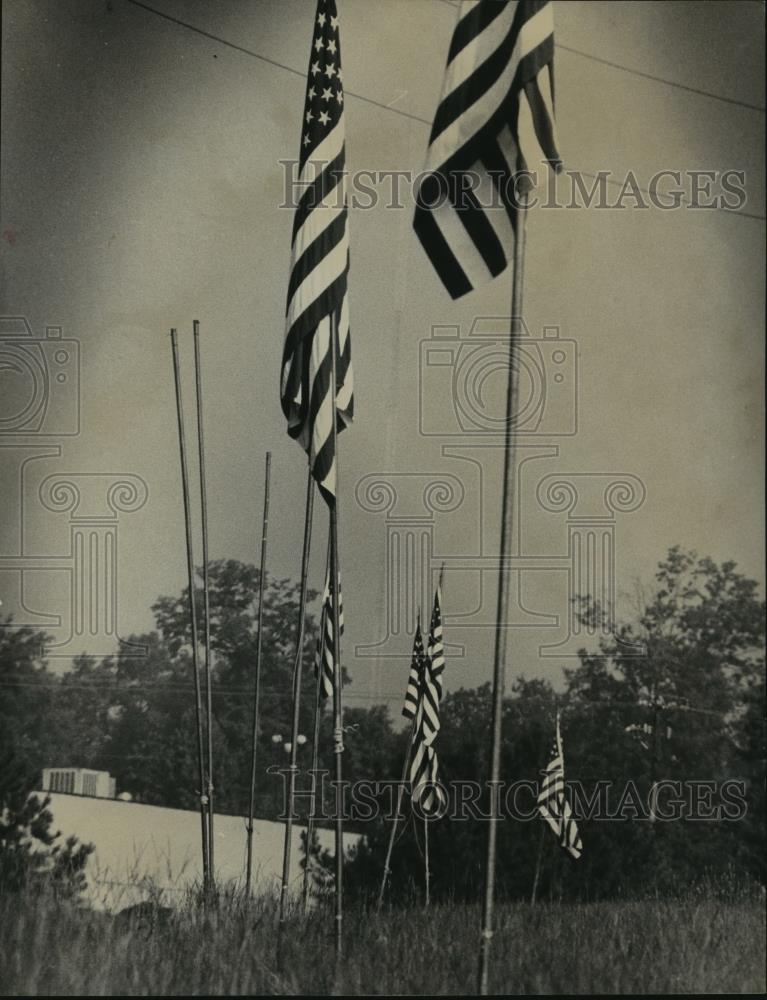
point(424, 766)
point(317, 307)
point(495, 119)
point(410, 708)
point(324, 659)
point(553, 804)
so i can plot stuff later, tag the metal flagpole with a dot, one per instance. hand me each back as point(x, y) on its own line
point(395, 821)
point(315, 760)
point(534, 893)
point(499, 667)
point(257, 693)
point(426, 857)
point(192, 613)
point(206, 599)
point(297, 671)
point(338, 718)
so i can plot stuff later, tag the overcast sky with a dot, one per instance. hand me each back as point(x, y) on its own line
point(141, 189)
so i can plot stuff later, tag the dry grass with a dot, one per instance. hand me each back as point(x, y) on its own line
point(698, 945)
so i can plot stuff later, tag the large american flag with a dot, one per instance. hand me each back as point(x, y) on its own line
point(424, 766)
point(496, 118)
point(317, 294)
point(553, 804)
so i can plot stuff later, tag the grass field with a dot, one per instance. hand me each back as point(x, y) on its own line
point(698, 945)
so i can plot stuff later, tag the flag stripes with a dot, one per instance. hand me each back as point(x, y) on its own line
point(495, 119)
point(424, 766)
point(553, 804)
point(317, 307)
point(410, 708)
point(324, 657)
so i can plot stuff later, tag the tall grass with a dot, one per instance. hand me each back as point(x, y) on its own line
point(701, 945)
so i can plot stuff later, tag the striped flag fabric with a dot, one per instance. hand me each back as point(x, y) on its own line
point(553, 804)
point(412, 694)
point(317, 306)
point(324, 657)
point(424, 765)
point(494, 121)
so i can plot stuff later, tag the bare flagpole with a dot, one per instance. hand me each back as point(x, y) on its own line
point(315, 759)
point(257, 692)
point(338, 717)
point(192, 614)
point(427, 898)
point(206, 599)
point(297, 672)
point(501, 631)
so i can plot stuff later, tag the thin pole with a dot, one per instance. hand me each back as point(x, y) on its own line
point(315, 761)
point(297, 671)
point(395, 820)
point(499, 667)
point(257, 692)
point(206, 598)
point(426, 856)
point(192, 611)
point(534, 893)
point(338, 717)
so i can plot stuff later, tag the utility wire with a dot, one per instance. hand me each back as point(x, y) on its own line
point(407, 114)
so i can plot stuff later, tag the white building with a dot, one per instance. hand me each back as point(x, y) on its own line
point(79, 781)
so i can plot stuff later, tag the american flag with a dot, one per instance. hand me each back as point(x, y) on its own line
point(317, 294)
point(424, 766)
point(496, 118)
point(552, 803)
point(324, 659)
point(412, 694)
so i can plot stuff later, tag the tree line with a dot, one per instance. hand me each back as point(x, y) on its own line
point(676, 694)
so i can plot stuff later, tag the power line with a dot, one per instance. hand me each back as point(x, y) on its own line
point(425, 121)
point(648, 76)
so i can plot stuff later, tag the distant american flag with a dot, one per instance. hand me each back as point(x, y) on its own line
point(553, 804)
point(324, 661)
point(424, 766)
point(317, 293)
point(496, 118)
point(417, 664)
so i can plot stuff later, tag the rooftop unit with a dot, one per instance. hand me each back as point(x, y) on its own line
point(79, 781)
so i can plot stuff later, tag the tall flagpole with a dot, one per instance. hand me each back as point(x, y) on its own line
point(338, 717)
point(315, 761)
point(257, 692)
point(427, 898)
point(206, 598)
point(501, 631)
point(297, 672)
point(395, 820)
point(192, 614)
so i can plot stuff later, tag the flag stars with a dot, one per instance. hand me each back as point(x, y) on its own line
point(330, 70)
point(312, 93)
point(324, 117)
point(315, 68)
point(334, 23)
point(340, 96)
point(309, 117)
point(307, 140)
point(331, 46)
point(321, 20)
point(327, 93)
point(318, 45)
